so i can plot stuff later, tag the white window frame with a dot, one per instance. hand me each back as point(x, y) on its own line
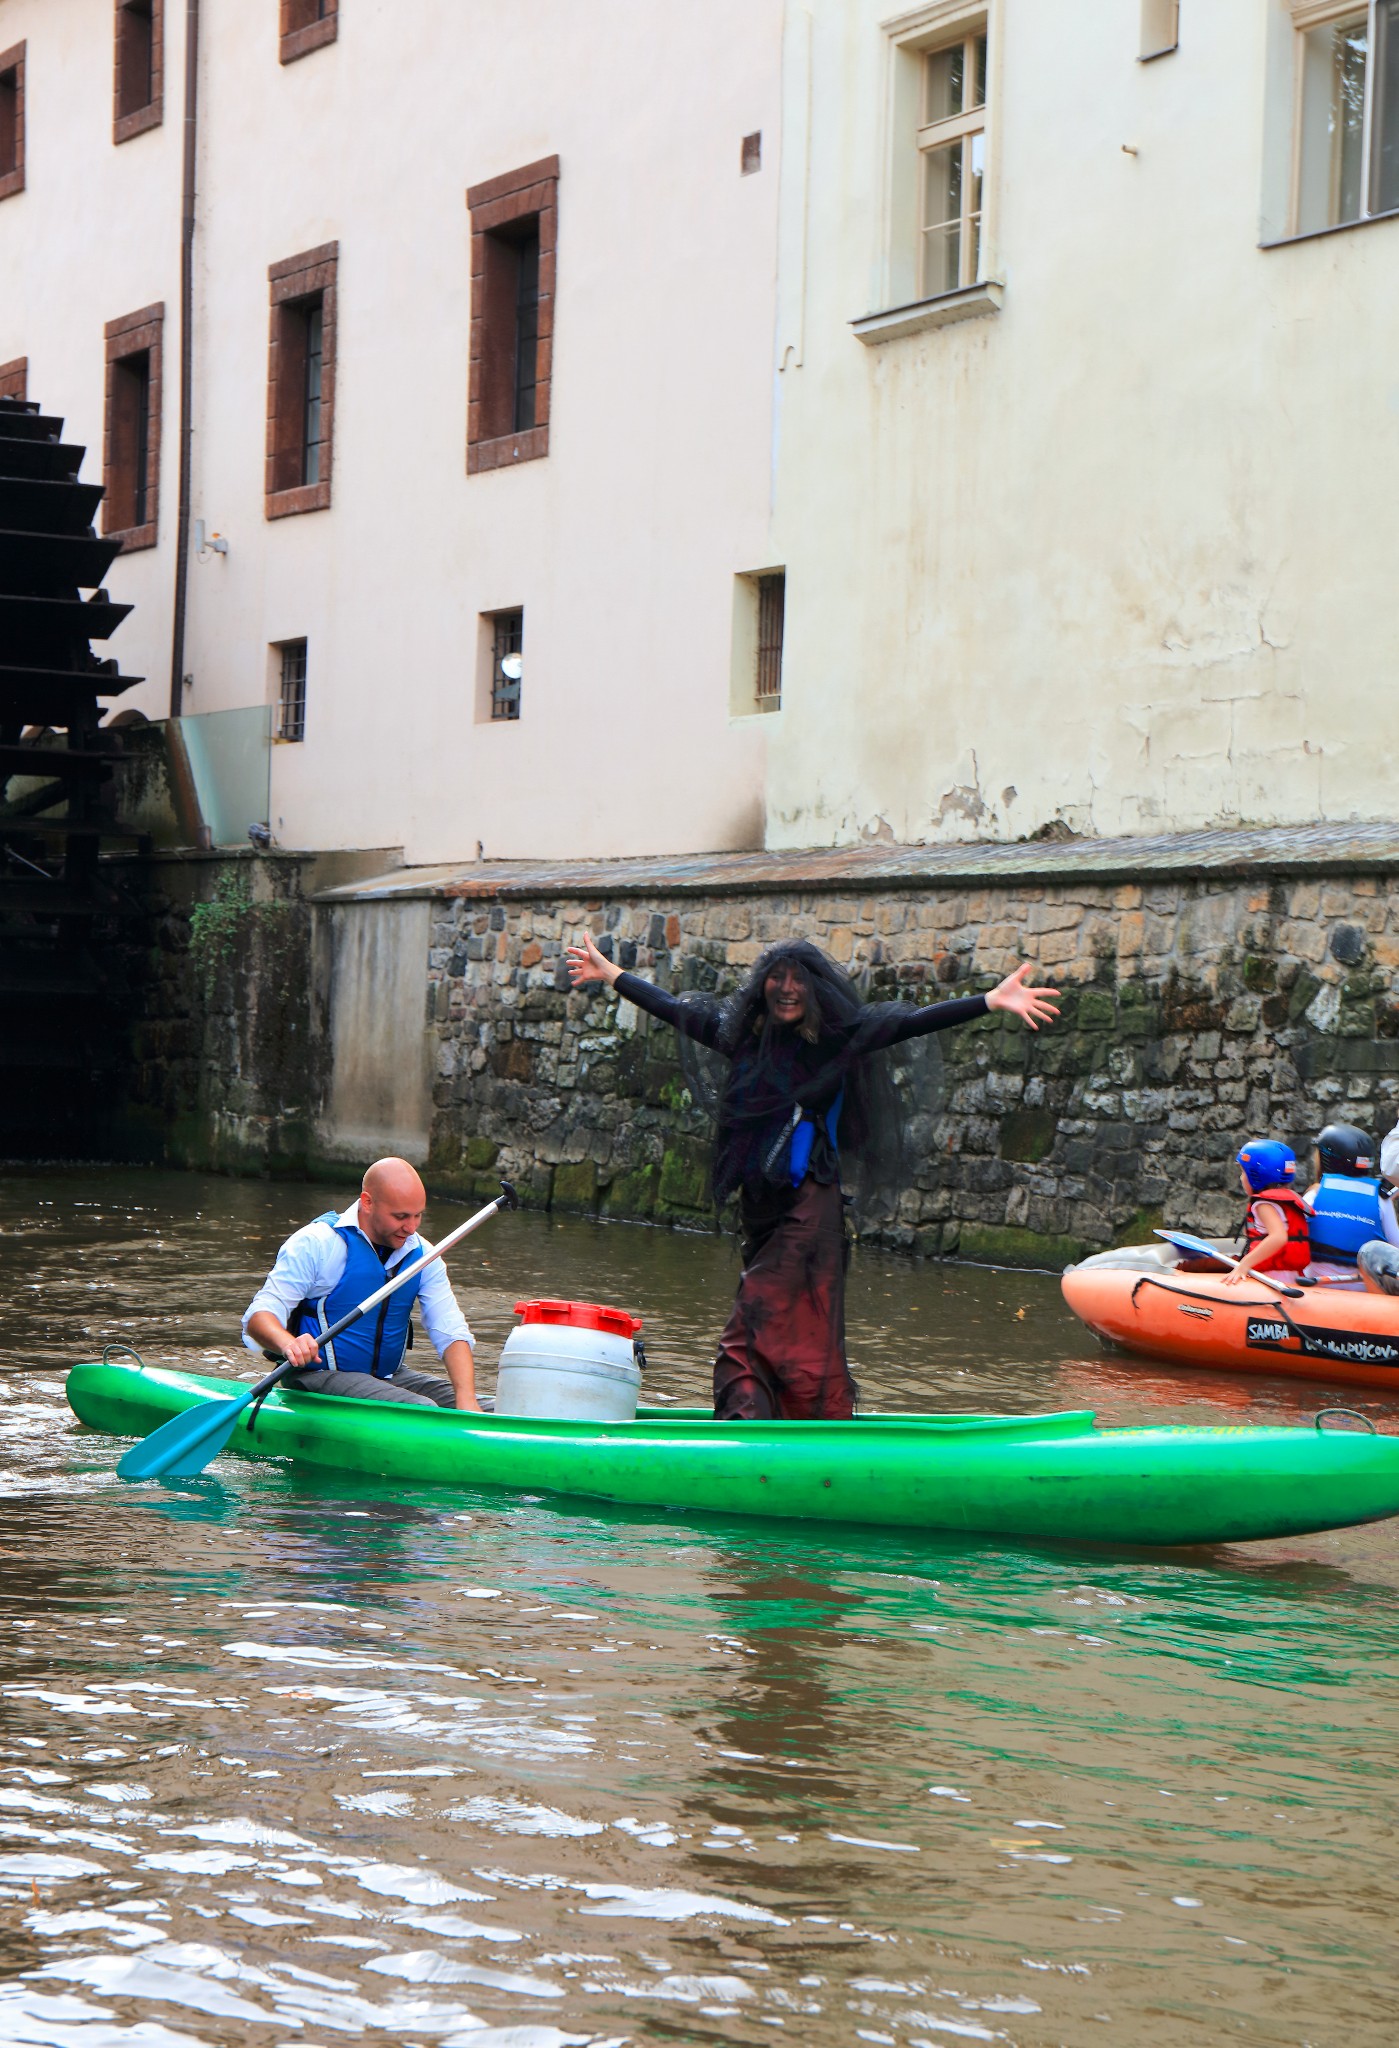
point(897, 277)
point(1308, 15)
point(936, 135)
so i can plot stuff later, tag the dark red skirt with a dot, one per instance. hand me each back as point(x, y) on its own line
point(783, 1348)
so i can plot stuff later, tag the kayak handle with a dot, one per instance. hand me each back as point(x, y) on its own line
point(129, 1349)
point(1353, 1413)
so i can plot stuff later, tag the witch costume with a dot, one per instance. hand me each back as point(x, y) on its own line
point(794, 1107)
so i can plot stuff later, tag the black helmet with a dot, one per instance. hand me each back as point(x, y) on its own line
point(1341, 1148)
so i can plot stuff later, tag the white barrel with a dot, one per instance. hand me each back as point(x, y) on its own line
point(581, 1375)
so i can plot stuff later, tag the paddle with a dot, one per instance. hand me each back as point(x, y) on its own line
point(1186, 1241)
point(185, 1444)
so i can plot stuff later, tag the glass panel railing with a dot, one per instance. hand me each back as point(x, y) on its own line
point(228, 757)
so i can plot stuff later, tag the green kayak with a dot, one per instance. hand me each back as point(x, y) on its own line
point(1056, 1476)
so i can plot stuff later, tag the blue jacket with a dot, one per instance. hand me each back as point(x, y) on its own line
point(1345, 1215)
point(377, 1342)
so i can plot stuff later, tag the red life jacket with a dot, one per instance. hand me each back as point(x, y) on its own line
point(1297, 1252)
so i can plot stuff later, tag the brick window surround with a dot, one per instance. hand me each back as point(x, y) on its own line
point(292, 283)
point(14, 378)
point(136, 334)
point(138, 28)
point(11, 121)
point(503, 209)
point(307, 25)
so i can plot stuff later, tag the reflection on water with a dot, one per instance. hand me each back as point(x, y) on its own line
point(288, 1757)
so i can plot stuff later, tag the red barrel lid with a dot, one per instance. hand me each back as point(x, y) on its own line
point(580, 1315)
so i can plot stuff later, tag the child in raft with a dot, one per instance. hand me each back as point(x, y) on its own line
point(1276, 1221)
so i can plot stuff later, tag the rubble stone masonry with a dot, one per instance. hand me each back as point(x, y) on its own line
point(1196, 1013)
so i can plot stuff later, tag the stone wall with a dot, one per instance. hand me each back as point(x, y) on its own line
point(227, 992)
point(1196, 1013)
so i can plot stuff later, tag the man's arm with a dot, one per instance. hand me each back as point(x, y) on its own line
point(460, 1361)
point(269, 1333)
point(448, 1332)
point(307, 1266)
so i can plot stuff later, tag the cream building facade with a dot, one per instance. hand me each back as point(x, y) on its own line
point(944, 424)
point(1086, 506)
point(336, 148)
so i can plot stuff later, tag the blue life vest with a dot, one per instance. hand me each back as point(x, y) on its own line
point(1345, 1215)
point(804, 1137)
point(377, 1342)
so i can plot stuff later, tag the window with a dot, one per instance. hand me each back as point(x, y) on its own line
point(952, 152)
point(11, 121)
point(1346, 156)
point(14, 378)
point(131, 450)
point(291, 698)
point(140, 64)
point(755, 679)
point(938, 218)
point(306, 26)
point(750, 156)
point(507, 662)
point(1160, 28)
point(301, 382)
point(513, 234)
point(772, 605)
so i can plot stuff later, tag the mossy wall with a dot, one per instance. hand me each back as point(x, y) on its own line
point(1195, 1014)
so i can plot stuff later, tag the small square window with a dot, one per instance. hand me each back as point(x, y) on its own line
point(751, 154)
point(291, 700)
point(772, 607)
point(507, 663)
point(755, 676)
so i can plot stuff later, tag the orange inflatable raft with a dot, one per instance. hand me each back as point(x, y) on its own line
point(1150, 1300)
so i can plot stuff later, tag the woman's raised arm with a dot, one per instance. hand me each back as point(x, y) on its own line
point(586, 963)
point(695, 1017)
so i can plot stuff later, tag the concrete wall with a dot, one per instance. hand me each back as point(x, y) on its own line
point(621, 545)
point(1119, 553)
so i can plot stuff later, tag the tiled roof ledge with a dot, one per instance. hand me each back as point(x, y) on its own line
point(1224, 854)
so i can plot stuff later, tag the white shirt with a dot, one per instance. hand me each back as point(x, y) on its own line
point(1389, 1155)
point(312, 1261)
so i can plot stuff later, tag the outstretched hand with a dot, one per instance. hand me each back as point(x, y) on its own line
point(586, 963)
point(1033, 1006)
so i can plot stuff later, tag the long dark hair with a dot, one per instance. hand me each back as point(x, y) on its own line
point(756, 1082)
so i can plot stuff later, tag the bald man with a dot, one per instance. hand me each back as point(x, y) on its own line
point(335, 1263)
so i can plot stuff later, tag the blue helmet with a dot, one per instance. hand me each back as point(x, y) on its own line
point(1267, 1163)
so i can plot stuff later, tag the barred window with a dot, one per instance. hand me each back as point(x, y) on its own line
point(507, 663)
point(772, 606)
point(291, 705)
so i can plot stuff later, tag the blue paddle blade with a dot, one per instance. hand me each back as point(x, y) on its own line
point(186, 1443)
point(1186, 1241)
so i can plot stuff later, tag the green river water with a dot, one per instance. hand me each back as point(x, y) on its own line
point(287, 1758)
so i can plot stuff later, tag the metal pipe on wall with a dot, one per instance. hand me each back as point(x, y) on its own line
point(177, 651)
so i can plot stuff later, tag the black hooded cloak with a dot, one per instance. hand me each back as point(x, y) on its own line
point(783, 1351)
